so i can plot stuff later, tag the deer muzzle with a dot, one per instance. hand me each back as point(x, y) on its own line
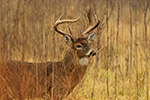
point(91, 53)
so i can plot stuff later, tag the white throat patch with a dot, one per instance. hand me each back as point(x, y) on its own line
point(83, 61)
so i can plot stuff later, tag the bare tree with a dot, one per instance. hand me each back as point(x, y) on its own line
point(23, 32)
point(107, 65)
point(136, 55)
point(117, 52)
point(130, 10)
point(146, 48)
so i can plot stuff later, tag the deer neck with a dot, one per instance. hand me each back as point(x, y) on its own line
point(75, 67)
point(71, 58)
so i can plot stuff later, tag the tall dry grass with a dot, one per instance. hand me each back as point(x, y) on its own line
point(26, 34)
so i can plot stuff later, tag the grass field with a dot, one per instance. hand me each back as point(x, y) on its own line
point(119, 71)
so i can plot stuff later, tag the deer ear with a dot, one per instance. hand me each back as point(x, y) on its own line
point(68, 40)
point(91, 37)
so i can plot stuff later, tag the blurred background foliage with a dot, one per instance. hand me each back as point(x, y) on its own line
point(27, 34)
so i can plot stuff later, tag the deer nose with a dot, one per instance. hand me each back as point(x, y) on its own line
point(92, 53)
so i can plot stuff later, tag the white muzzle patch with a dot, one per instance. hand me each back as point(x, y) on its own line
point(89, 52)
point(83, 61)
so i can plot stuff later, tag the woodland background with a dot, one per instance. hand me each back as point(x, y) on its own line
point(121, 68)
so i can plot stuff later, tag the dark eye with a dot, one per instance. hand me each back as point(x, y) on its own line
point(78, 46)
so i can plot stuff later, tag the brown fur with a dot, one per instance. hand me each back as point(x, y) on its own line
point(26, 80)
point(67, 74)
point(82, 40)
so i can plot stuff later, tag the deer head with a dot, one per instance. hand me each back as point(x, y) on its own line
point(80, 45)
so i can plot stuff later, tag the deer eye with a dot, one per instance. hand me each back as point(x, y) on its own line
point(78, 46)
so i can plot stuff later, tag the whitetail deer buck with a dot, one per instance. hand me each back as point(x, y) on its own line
point(67, 73)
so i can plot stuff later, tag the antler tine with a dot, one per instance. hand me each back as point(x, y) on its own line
point(64, 21)
point(91, 27)
point(70, 32)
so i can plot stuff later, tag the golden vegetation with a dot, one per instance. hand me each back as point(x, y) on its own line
point(26, 34)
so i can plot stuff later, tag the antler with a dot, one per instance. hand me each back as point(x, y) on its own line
point(91, 27)
point(64, 21)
